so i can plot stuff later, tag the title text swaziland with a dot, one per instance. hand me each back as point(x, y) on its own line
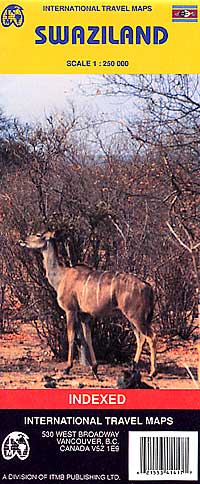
point(103, 35)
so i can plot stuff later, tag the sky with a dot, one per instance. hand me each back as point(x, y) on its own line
point(31, 97)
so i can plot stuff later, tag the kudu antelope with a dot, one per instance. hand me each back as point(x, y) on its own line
point(82, 290)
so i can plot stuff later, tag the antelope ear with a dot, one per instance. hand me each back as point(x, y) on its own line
point(49, 235)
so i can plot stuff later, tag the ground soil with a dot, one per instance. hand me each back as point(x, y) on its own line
point(26, 362)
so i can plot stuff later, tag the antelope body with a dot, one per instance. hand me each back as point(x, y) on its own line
point(81, 289)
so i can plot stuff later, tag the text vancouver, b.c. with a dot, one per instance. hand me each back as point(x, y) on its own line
point(94, 35)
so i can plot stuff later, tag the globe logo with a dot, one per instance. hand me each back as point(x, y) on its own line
point(12, 14)
point(15, 444)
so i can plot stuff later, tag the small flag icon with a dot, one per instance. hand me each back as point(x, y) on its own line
point(184, 13)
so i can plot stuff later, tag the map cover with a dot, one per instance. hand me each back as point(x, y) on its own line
point(99, 241)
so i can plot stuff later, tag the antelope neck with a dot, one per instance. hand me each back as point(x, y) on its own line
point(54, 271)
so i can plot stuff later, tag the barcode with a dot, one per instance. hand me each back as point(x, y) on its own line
point(164, 454)
point(172, 455)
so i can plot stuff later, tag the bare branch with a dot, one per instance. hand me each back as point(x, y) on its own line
point(178, 238)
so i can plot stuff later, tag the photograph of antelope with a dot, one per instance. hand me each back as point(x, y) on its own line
point(81, 289)
point(99, 231)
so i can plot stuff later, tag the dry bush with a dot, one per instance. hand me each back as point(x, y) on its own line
point(176, 299)
point(113, 340)
point(108, 207)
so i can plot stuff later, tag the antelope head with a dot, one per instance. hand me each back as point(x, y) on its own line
point(38, 241)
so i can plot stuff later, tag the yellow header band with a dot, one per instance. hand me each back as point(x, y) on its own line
point(103, 37)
